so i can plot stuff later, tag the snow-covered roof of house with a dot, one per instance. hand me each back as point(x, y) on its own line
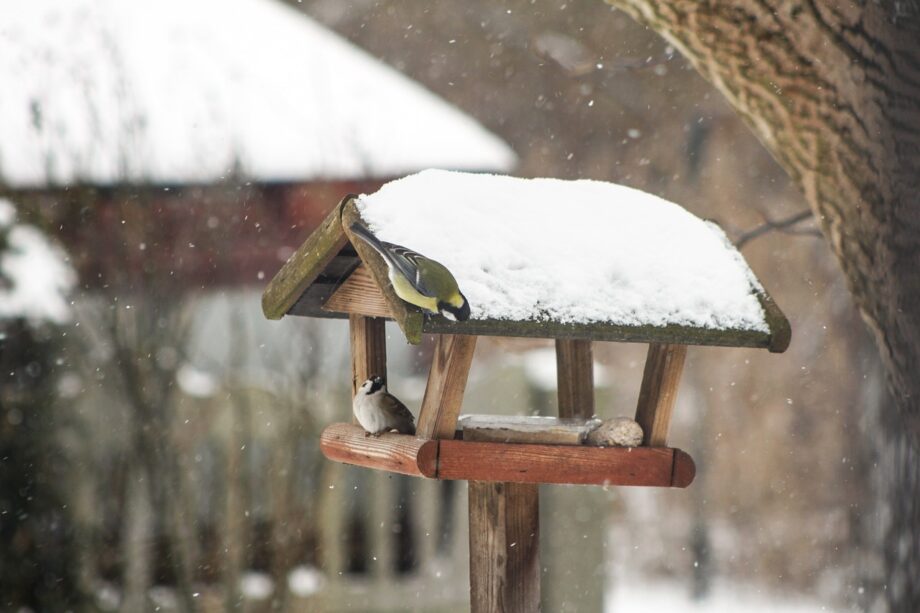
point(178, 91)
point(552, 258)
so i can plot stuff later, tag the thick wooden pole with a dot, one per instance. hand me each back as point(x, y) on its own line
point(663, 368)
point(575, 377)
point(504, 547)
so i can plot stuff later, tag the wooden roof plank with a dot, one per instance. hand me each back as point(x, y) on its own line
point(601, 331)
point(305, 265)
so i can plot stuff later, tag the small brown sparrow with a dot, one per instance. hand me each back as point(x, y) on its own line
point(379, 411)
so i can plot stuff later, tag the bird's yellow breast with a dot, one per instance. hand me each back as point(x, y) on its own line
point(404, 290)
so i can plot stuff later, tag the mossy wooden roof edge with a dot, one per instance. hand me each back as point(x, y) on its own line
point(604, 331)
point(318, 252)
point(305, 264)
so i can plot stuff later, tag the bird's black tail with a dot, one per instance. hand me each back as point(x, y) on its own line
point(364, 234)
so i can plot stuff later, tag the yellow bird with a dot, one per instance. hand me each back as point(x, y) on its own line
point(419, 280)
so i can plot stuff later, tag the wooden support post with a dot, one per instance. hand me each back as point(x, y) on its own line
point(575, 377)
point(663, 368)
point(446, 383)
point(368, 349)
point(504, 547)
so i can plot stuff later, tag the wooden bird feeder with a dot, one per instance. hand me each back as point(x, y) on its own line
point(333, 275)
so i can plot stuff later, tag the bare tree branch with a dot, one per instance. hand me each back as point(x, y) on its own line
point(785, 225)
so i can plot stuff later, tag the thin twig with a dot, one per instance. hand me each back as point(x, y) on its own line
point(782, 225)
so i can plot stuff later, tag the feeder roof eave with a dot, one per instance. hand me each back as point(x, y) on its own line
point(316, 258)
point(776, 340)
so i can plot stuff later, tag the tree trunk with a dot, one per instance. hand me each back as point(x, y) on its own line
point(834, 93)
point(832, 89)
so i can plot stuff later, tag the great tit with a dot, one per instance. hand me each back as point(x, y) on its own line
point(419, 280)
point(379, 411)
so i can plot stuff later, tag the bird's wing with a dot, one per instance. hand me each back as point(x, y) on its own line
point(404, 260)
point(407, 263)
point(392, 405)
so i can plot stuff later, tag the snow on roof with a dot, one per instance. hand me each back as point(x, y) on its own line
point(569, 251)
point(34, 274)
point(178, 91)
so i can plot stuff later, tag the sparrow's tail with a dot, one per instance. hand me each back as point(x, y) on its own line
point(407, 428)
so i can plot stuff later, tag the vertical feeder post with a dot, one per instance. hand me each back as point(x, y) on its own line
point(368, 349)
point(575, 377)
point(658, 393)
point(369, 357)
point(504, 547)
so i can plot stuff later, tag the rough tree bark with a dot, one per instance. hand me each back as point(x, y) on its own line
point(832, 89)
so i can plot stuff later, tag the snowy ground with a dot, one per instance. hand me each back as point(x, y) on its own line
point(637, 596)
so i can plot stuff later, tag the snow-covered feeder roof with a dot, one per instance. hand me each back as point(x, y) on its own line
point(129, 91)
point(551, 258)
